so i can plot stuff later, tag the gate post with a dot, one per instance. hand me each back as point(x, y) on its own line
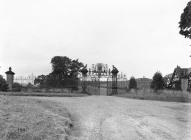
point(84, 72)
point(114, 80)
point(10, 78)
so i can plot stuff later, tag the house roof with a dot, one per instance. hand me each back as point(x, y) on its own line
point(182, 72)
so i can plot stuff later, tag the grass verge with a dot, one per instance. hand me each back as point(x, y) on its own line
point(46, 94)
point(32, 119)
point(162, 95)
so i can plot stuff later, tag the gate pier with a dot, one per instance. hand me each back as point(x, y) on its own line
point(114, 80)
point(84, 72)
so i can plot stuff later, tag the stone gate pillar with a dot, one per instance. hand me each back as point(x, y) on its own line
point(84, 72)
point(114, 80)
point(10, 78)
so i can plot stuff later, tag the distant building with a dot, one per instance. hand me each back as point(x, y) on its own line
point(143, 83)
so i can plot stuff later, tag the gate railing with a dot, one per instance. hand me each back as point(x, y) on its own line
point(94, 85)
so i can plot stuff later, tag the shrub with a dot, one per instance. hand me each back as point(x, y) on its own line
point(29, 85)
point(132, 83)
point(17, 87)
point(3, 84)
point(157, 82)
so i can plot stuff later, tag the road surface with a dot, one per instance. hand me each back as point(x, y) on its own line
point(115, 118)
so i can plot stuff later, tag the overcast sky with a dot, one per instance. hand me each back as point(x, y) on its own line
point(138, 37)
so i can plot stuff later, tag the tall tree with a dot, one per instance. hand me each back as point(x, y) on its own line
point(185, 21)
point(157, 82)
point(132, 83)
point(64, 73)
point(65, 67)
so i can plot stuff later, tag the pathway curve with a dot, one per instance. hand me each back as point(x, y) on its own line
point(114, 118)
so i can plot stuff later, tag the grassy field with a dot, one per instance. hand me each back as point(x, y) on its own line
point(162, 95)
point(22, 118)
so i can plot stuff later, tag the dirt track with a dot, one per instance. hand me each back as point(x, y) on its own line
point(114, 118)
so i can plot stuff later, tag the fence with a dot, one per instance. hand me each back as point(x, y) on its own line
point(95, 86)
point(24, 80)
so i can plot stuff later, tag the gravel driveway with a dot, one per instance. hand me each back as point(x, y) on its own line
point(115, 118)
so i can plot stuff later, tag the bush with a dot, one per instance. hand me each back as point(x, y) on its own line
point(17, 87)
point(29, 85)
point(157, 82)
point(132, 83)
point(3, 84)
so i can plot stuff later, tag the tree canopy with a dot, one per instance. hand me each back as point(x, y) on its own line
point(64, 73)
point(40, 80)
point(68, 68)
point(185, 21)
point(132, 83)
point(158, 81)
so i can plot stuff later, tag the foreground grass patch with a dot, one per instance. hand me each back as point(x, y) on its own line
point(32, 119)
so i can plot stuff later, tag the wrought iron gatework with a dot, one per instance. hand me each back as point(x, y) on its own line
point(100, 80)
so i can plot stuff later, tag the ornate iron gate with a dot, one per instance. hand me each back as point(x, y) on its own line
point(92, 83)
point(109, 86)
point(93, 86)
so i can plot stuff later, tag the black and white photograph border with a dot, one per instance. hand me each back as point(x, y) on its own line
point(95, 70)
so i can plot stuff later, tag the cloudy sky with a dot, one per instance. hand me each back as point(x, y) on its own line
point(138, 37)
